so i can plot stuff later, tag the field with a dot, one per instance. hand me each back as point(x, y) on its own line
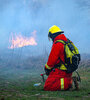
point(18, 84)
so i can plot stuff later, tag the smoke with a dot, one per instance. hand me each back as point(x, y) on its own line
point(25, 16)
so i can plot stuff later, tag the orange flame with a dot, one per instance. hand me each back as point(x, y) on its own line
point(18, 41)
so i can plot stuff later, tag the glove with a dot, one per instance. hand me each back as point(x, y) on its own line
point(47, 71)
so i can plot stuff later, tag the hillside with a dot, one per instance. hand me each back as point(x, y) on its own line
point(19, 60)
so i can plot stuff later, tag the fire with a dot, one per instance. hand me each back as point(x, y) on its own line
point(18, 41)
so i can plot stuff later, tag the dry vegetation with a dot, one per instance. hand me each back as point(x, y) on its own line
point(18, 76)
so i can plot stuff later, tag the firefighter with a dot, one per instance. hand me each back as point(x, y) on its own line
point(57, 79)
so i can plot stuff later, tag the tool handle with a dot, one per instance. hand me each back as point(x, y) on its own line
point(43, 76)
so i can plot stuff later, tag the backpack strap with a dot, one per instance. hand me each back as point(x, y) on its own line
point(63, 42)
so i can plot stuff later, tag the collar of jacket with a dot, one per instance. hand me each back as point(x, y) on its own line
point(60, 37)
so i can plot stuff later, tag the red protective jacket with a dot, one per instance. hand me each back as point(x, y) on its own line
point(58, 79)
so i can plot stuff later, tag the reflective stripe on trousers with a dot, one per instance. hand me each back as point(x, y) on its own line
point(62, 83)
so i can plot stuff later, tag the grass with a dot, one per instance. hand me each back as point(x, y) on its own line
point(19, 85)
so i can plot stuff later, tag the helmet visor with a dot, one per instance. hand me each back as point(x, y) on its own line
point(49, 38)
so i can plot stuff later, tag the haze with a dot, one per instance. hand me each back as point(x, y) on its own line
point(26, 16)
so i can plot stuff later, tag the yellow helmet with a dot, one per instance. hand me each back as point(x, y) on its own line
point(54, 31)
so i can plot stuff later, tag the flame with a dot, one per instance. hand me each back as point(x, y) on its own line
point(18, 41)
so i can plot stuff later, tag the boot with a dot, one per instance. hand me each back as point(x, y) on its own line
point(75, 81)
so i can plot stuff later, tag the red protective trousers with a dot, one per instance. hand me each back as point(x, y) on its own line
point(58, 80)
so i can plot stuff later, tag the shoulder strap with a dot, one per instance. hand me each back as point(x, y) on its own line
point(61, 41)
point(64, 42)
point(69, 41)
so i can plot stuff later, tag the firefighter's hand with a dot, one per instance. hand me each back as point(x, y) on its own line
point(47, 71)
